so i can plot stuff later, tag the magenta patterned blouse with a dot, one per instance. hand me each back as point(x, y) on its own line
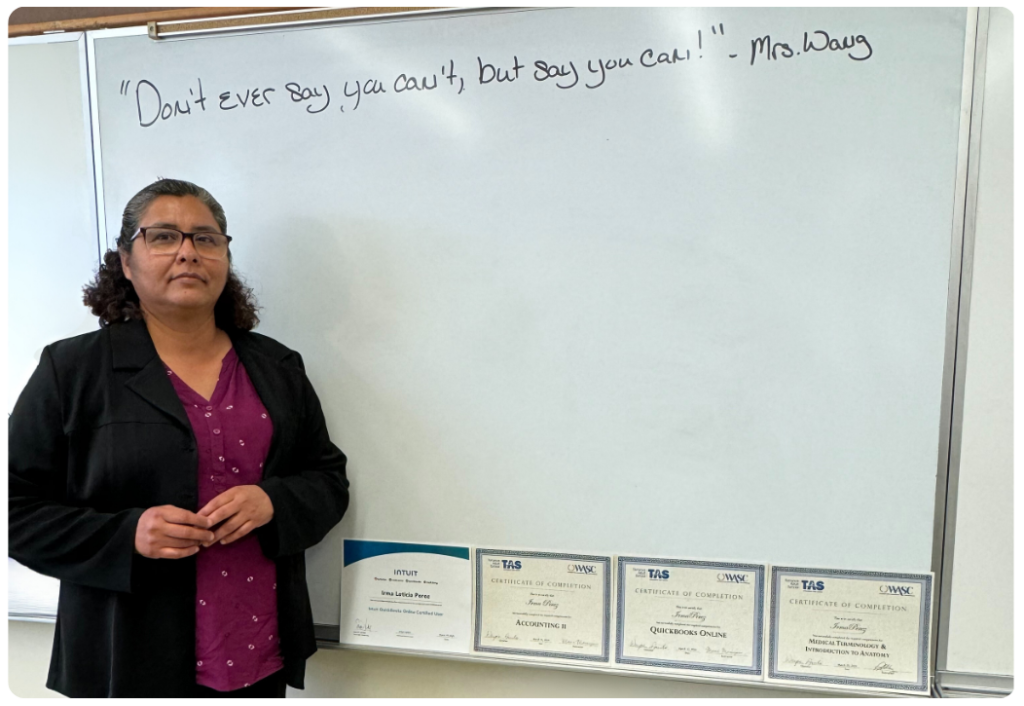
point(237, 642)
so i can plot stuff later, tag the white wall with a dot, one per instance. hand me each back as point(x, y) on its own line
point(348, 673)
point(981, 608)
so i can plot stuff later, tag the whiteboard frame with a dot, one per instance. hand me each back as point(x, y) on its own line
point(958, 324)
point(957, 303)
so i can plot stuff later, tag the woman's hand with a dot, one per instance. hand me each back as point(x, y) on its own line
point(241, 510)
point(169, 532)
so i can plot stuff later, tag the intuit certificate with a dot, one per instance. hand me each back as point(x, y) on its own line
point(690, 615)
point(850, 629)
point(409, 596)
point(540, 604)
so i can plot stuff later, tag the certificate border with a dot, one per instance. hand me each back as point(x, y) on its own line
point(759, 569)
point(924, 624)
point(478, 627)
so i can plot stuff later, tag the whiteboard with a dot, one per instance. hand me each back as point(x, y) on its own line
point(980, 634)
point(52, 243)
point(698, 310)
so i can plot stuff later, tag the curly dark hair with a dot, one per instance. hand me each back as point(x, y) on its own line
point(111, 296)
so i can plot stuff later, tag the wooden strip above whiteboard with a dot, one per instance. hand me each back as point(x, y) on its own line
point(80, 24)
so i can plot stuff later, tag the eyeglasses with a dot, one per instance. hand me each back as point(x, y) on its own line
point(167, 241)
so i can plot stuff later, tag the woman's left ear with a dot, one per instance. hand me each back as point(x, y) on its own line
point(124, 264)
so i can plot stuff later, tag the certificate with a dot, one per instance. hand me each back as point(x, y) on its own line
point(690, 615)
point(853, 629)
point(410, 596)
point(540, 604)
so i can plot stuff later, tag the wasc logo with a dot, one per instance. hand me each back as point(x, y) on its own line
point(812, 585)
point(896, 590)
point(732, 578)
point(657, 574)
point(582, 569)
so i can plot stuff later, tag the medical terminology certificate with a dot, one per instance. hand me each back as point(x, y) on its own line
point(699, 615)
point(541, 604)
point(853, 629)
point(410, 596)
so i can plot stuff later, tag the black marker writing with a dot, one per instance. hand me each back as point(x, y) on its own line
point(604, 66)
point(545, 71)
point(763, 45)
point(163, 110)
point(252, 97)
point(647, 58)
point(488, 72)
point(830, 44)
point(369, 87)
point(298, 94)
point(410, 83)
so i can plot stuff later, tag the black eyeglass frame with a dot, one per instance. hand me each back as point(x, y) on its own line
point(142, 231)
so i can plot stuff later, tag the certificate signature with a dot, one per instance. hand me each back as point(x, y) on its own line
point(501, 638)
point(578, 644)
point(803, 663)
point(690, 615)
point(882, 667)
point(724, 653)
point(648, 646)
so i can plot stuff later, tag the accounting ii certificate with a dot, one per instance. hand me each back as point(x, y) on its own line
point(850, 629)
point(690, 615)
point(541, 604)
point(410, 596)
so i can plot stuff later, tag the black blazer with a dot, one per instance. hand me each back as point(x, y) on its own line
point(97, 436)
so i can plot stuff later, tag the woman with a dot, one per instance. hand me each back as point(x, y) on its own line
point(170, 469)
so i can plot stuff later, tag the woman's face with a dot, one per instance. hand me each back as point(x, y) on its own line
point(183, 282)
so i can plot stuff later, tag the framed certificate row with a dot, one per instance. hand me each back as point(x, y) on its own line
point(834, 628)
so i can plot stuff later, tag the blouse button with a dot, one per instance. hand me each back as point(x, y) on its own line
point(255, 619)
point(230, 406)
point(199, 663)
point(264, 416)
point(202, 602)
point(223, 573)
point(249, 579)
point(252, 647)
point(221, 459)
point(209, 414)
point(230, 663)
point(213, 477)
point(208, 408)
point(241, 443)
point(216, 431)
point(234, 470)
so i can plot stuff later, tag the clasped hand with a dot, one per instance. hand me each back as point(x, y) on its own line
point(169, 532)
